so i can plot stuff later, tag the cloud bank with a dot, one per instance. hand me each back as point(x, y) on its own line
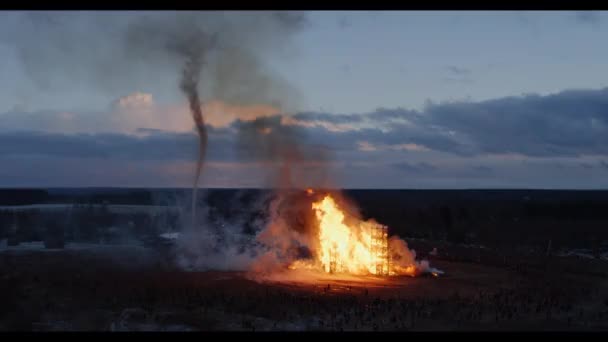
point(461, 140)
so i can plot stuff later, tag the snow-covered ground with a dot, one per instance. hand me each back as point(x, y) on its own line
point(576, 253)
point(114, 208)
point(135, 319)
point(582, 253)
point(39, 246)
point(24, 246)
point(170, 236)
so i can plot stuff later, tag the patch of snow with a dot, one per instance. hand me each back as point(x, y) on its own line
point(170, 236)
point(38, 246)
point(580, 253)
point(135, 319)
point(30, 245)
point(435, 270)
point(114, 208)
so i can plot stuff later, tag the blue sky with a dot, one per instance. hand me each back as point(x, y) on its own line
point(360, 61)
point(396, 99)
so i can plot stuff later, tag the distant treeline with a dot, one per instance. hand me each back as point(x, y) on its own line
point(95, 196)
point(411, 197)
point(512, 219)
point(83, 223)
point(23, 196)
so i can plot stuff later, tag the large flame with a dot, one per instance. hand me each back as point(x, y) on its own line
point(358, 248)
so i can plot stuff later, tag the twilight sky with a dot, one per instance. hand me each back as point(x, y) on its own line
point(389, 99)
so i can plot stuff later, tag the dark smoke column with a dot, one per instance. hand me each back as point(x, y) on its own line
point(189, 85)
point(229, 47)
point(193, 46)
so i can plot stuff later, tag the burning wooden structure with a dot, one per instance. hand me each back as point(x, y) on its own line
point(347, 244)
point(379, 247)
point(344, 243)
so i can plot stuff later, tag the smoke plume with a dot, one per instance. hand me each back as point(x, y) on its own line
point(207, 56)
point(216, 56)
point(234, 68)
point(189, 85)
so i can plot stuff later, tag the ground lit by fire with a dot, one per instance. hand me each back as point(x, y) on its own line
point(113, 285)
point(59, 291)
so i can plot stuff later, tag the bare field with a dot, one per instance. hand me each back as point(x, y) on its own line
point(86, 290)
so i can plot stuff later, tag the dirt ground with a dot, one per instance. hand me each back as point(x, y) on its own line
point(80, 290)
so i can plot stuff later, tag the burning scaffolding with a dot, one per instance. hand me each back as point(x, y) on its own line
point(347, 244)
point(379, 247)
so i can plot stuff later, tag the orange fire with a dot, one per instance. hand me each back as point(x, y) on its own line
point(359, 248)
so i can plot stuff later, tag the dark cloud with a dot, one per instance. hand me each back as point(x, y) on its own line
point(482, 169)
point(588, 17)
point(416, 168)
point(566, 124)
point(155, 145)
point(330, 118)
point(292, 19)
point(463, 80)
point(160, 146)
point(458, 74)
point(150, 145)
point(345, 69)
point(139, 49)
point(54, 121)
point(569, 123)
point(268, 139)
point(395, 114)
point(459, 71)
point(344, 22)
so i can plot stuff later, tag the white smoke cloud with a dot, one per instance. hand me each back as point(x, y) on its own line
point(213, 244)
point(402, 256)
